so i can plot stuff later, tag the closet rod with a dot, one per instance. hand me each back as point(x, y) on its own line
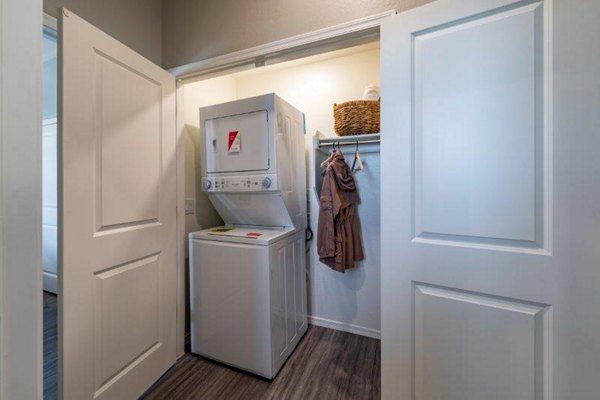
point(331, 143)
point(350, 140)
point(326, 153)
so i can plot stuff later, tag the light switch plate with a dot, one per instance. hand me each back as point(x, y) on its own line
point(190, 206)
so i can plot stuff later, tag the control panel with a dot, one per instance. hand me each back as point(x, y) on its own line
point(246, 183)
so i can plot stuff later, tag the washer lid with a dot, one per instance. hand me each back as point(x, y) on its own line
point(262, 236)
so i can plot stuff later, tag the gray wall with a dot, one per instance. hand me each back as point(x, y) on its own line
point(194, 30)
point(136, 23)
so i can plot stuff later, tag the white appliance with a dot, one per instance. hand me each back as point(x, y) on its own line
point(247, 278)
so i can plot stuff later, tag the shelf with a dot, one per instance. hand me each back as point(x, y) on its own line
point(349, 140)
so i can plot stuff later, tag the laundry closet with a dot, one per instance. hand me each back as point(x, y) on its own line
point(348, 301)
point(470, 211)
point(218, 163)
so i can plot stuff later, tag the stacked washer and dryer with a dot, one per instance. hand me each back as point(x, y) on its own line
point(247, 278)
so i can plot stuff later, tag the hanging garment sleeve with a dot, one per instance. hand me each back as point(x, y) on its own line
point(329, 209)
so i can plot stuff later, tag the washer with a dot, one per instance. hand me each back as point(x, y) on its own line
point(248, 306)
point(247, 278)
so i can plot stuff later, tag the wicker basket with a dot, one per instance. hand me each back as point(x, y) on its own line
point(356, 117)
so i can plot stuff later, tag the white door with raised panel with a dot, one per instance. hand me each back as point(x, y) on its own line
point(490, 201)
point(117, 153)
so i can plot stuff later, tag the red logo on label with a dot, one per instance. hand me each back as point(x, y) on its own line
point(232, 136)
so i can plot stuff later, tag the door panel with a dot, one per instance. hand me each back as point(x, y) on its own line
point(475, 126)
point(128, 143)
point(127, 321)
point(475, 346)
point(118, 211)
point(472, 276)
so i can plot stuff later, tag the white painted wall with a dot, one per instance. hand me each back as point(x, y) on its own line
point(205, 93)
point(49, 205)
point(349, 301)
point(315, 83)
point(49, 162)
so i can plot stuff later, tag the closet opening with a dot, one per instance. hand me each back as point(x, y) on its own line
point(349, 301)
point(346, 302)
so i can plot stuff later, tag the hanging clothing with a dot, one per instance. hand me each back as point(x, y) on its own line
point(339, 242)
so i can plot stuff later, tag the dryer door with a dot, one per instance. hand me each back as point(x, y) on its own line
point(237, 143)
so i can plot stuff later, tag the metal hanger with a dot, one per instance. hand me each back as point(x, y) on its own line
point(339, 149)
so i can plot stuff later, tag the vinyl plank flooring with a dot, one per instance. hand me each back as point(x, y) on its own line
point(326, 365)
point(50, 346)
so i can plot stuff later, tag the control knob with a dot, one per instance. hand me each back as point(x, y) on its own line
point(266, 183)
point(206, 184)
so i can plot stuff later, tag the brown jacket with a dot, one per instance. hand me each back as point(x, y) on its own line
point(339, 243)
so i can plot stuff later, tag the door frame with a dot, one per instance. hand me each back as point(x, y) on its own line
point(21, 325)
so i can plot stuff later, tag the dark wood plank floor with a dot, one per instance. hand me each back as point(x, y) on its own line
point(50, 345)
point(327, 364)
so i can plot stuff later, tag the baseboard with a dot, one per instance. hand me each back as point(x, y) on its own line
point(345, 327)
point(50, 282)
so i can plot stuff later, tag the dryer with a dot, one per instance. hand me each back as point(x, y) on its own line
point(253, 161)
point(247, 278)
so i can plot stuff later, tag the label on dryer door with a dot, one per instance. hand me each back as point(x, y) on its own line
point(234, 144)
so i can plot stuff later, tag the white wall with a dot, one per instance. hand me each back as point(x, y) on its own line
point(348, 301)
point(50, 164)
point(351, 301)
point(50, 71)
point(205, 93)
point(313, 87)
point(49, 205)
